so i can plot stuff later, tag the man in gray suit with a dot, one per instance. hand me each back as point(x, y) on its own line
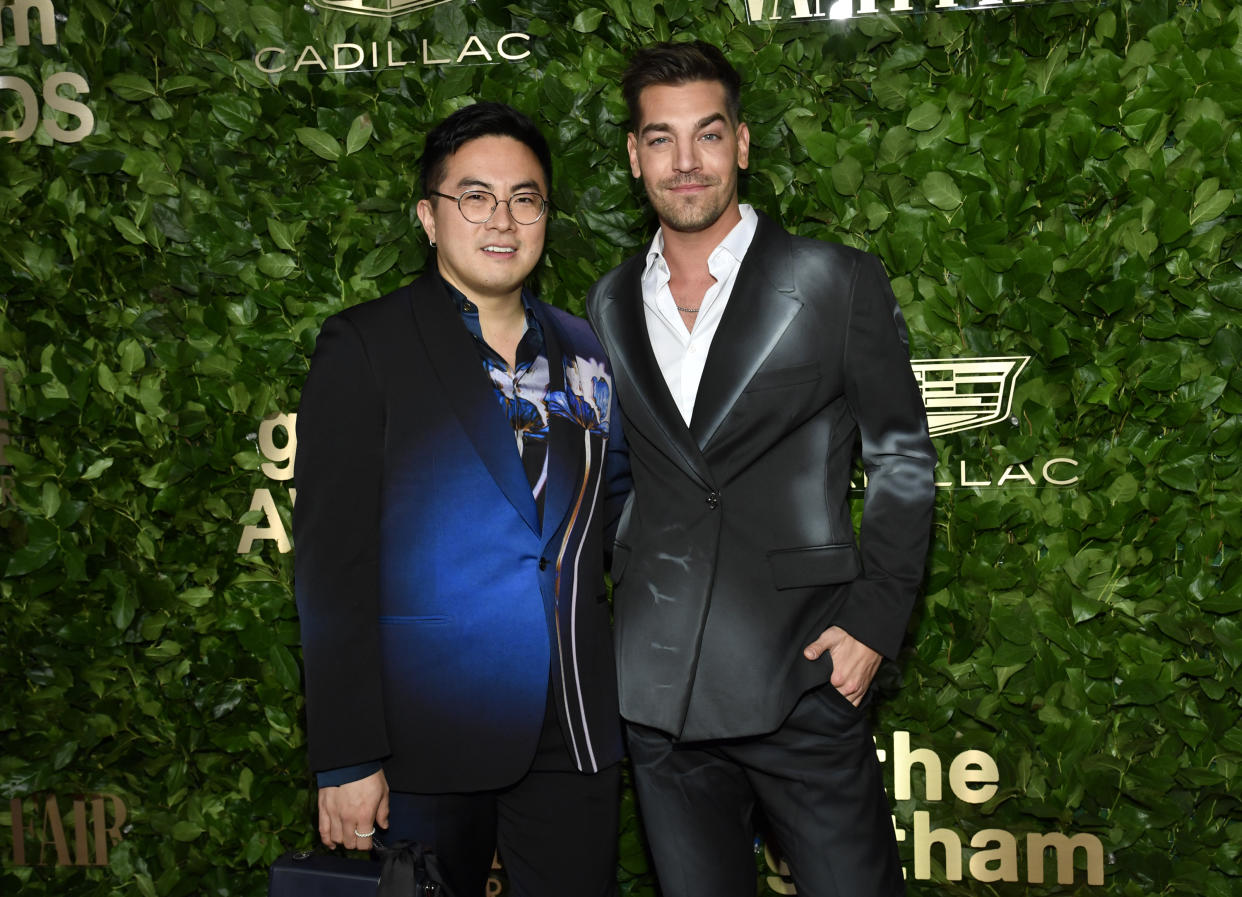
point(750, 364)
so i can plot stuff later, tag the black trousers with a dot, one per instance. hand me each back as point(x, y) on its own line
point(555, 829)
point(817, 782)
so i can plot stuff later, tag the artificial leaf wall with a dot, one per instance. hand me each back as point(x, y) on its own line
point(205, 182)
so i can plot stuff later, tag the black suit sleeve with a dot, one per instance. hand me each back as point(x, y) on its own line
point(336, 531)
point(898, 459)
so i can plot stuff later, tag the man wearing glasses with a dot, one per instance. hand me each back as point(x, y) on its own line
point(459, 466)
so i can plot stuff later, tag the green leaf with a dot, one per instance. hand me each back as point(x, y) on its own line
point(123, 609)
point(234, 112)
point(821, 146)
point(285, 667)
point(97, 467)
point(50, 499)
point(941, 190)
point(133, 87)
point(197, 596)
point(98, 161)
point(892, 91)
point(284, 235)
point(185, 830)
point(157, 181)
point(128, 230)
point(1222, 603)
point(1211, 206)
point(378, 260)
point(30, 558)
point(106, 379)
point(145, 885)
point(924, 116)
point(847, 176)
point(319, 142)
point(360, 131)
point(587, 20)
point(896, 145)
point(133, 358)
point(178, 84)
point(1123, 489)
point(1183, 475)
point(277, 264)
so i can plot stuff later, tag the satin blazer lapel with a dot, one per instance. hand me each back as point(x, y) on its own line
point(564, 451)
point(630, 354)
point(455, 360)
point(761, 307)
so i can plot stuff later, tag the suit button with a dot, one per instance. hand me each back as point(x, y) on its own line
point(713, 500)
point(543, 563)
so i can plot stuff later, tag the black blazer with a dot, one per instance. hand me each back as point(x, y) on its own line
point(737, 548)
point(435, 605)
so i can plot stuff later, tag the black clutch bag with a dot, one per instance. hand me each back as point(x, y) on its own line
point(406, 869)
point(304, 873)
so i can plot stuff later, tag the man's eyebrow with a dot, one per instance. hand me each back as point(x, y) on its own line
point(525, 186)
point(698, 125)
point(473, 182)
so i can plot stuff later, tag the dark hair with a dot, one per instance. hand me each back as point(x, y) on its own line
point(677, 64)
point(484, 119)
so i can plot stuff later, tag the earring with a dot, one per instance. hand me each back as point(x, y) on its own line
point(433, 244)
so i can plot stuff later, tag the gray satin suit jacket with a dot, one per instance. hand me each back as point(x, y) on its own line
point(736, 549)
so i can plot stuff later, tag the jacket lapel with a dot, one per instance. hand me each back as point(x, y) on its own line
point(629, 351)
point(760, 307)
point(455, 360)
point(564, 451)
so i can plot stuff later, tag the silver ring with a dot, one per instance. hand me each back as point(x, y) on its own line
point(364, 834)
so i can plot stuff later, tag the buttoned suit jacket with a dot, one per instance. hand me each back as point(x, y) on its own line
point(434, 603)
point(736, 549)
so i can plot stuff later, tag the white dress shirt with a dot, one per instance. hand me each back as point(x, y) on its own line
point(682, 353)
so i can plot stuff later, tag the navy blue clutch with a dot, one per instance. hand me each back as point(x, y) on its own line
point(406, 869)
point(306, 874)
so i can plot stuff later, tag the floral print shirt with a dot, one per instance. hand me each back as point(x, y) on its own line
point(522, 392)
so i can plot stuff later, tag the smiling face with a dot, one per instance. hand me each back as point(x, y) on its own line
point(489, 260)
point(688, 151)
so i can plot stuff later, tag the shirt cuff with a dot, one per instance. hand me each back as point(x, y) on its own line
point(330, 778)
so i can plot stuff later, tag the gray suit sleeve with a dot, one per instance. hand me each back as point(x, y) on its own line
point(898, 459)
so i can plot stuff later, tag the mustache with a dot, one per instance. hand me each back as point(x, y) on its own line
point(689, 180)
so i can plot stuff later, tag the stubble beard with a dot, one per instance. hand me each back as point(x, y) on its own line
point(691, 214)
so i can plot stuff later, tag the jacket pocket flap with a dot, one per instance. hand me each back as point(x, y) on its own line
point(789, 376)
point(814, 566)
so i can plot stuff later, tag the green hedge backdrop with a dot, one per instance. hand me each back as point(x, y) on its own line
point(1051, 181)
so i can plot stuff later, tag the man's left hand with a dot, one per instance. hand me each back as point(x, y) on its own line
point(853, 663)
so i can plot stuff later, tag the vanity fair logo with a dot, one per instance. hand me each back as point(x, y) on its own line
point(773, 12)
point(970, 393)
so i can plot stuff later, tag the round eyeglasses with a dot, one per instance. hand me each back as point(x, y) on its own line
point(478, 206)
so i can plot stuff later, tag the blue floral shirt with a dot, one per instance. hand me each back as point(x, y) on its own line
point(522, 391)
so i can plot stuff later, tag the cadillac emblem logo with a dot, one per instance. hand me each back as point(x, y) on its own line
point(386, 8)
point(967, 393)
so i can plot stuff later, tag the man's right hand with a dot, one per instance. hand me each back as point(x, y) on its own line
point(354, 807)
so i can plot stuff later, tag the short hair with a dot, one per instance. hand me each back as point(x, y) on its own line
point(482, 119)
point(676, 64)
